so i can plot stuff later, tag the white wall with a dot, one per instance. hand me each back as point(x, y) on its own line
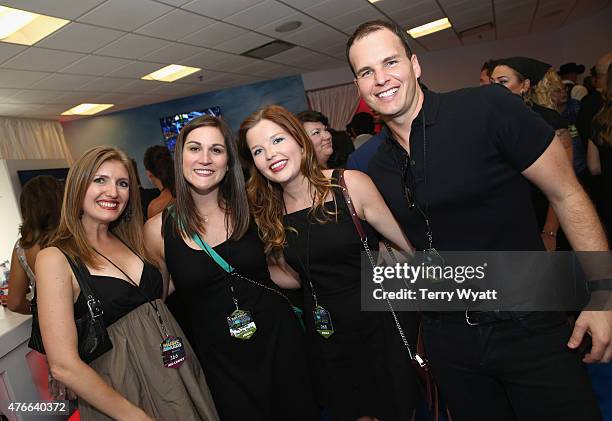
point(582, 42)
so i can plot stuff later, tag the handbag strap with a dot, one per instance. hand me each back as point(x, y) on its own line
point(364, 242)
point(93, 304)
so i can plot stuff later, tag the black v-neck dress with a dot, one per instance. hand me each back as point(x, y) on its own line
point(363, 369)
point(264, 378)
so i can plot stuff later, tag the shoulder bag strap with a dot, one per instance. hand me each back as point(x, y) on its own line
point(93, 304)
point(364, 242)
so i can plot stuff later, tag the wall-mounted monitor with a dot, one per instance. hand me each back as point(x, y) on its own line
point(26, 175)
point(172, 125)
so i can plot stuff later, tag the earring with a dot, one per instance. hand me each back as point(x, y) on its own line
point(80, 213)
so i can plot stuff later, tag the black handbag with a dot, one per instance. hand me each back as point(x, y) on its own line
point(93, 339)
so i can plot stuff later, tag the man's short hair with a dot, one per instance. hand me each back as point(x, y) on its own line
point(489, 65)
point(367, 28)
point(310, 116)
point(362, 123)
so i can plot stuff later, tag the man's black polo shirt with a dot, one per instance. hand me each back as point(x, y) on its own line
point(467, 179)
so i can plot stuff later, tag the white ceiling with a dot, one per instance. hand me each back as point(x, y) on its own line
point(109, 44)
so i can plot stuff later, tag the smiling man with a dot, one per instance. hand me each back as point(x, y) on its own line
point(452, 169)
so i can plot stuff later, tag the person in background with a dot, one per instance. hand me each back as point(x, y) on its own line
point(317, 127)
point(485, 72)
point(160, 170)
point(99, 241)
point(590, 80)
point(40, 203)
point(600, 152)
point(146, 195)
point(539, 86)
point(592, 103)
point(361, 128)
point(569, 76)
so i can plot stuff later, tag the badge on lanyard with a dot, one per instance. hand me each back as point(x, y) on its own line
point(322, 322)
point(241, 324)
point(173, 352)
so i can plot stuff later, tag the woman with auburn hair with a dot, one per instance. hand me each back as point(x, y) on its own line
point(360, 364)
point(243, 330)
point(99, 247)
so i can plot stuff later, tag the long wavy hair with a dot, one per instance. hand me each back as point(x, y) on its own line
point(40, 203)
point(70, 236)
point(603, 119)
point(543, 93)
point(266, 197)
point(232, 195)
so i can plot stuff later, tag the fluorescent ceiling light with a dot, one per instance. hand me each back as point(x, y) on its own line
point(171, 73)
point(87, 109)
point(429, 28)
point(26, 28)
point(373, 1)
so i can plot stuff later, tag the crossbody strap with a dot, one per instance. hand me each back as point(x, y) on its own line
point(93, 303)
point(364, 242)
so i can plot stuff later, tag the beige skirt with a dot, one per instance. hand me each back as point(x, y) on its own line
point(134, 369)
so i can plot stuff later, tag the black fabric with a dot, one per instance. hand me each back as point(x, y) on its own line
point(538, 198)
point(511, 370)
point(478, 140)
point(264, 378)
point(363, 369)
point(118, 296)
point(605, 159)
point(589, 106)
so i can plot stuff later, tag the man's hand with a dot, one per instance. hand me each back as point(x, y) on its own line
point(599, 325)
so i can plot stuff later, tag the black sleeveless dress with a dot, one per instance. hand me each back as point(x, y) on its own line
point(363, 369)
point(264, 378)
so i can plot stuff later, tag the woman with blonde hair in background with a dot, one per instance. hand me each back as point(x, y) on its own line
point(538, 85)
point(96, 267)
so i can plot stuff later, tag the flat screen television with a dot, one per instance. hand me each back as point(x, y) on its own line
point(172, 125)
point(26, 175)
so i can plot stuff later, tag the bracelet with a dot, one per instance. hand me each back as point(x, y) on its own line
point(550, 233)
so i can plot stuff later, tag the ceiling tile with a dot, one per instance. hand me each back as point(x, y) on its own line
point(260, 14)
point(214, 34)
point(39, 97)
point(132, 46)
point(302, 4)
point(67, 9)
point(75, 98)
point(125, 15)
point(244, 43)
point(111, 98)
point(349, 21)
point(484, 36)
point(7, 93)
point(135, 69)
point(208, 59)
point(9, 50)
point(42, 59)
point(95, 65)
point(260, 68)
point(219, 9)
point(80, 37)
point(19, 78)
point(175, 25)
point(176, 3)
point(17, 109)
point(174, 53)
point(61, 81)
point(315, 35)
point(269, 29)
point(333, 8)
point(440, 40)
point(229, 63)
point(138, 87)
point(390, 7)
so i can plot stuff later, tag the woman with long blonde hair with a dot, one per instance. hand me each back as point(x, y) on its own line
point(359, 363)
point(97, 264)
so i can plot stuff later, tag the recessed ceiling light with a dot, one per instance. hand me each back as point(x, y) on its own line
point(87, 109)
point(26, 28)
point(373, 1)
point(289, 26)
point(171, 73)
point(429, 28)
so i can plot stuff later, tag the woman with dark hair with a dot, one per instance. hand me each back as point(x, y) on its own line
point(599, 153)
point(361, 367)
point(538, 85)
point(160, 170)
point(39, 225)
point(242, 327)
point(316, 126)
point(99, 247)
